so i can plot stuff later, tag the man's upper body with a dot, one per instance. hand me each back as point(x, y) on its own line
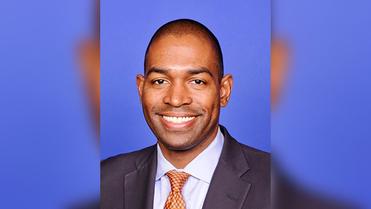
point(182, 91)
point(241, 179)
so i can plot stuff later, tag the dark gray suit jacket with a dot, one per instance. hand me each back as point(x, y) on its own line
point(241, 179)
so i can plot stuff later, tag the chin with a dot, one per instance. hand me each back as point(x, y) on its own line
point(180, 146)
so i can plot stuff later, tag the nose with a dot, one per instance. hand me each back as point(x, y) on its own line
point(177, 95)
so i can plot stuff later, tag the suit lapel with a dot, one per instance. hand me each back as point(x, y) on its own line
point(227, 188)
point(139, 184)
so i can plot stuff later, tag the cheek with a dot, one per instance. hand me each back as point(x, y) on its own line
point(209, 101)
point(151, 100)
point(147, 102)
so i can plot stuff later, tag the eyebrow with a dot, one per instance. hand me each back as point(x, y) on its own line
point(194, 71)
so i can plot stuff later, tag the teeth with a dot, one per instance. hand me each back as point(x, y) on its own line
point(177, 119)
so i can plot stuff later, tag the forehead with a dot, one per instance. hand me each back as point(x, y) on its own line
point(182, 52)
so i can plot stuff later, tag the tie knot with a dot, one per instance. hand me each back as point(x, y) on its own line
point(177, 180)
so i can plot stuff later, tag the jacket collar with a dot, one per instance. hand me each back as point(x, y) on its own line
point(228, 188)
point(139, 184)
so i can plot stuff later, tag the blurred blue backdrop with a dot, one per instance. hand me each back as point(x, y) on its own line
point(49, 156)
point(243, 30)
point(321, 130)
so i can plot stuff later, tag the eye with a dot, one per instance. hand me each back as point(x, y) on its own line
point(159, 81)
point(198, 82)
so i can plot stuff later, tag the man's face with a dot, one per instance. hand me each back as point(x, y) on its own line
point(181, 93)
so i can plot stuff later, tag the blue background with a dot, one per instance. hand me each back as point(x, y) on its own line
point(49, 156)
point(243, 30)
point(321, 131)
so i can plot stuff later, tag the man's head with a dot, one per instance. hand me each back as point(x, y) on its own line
point(183, 27)
point(183, 86)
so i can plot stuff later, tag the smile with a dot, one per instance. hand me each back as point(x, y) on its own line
point(177, 119)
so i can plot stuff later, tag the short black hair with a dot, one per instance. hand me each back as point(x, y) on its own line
point(181, 27)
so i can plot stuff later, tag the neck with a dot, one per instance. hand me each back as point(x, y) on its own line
point(180, 159)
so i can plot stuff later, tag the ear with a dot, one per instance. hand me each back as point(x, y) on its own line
point(279, 65)
point(140, 84)
point(225, 89)
point(90, 66)
point(89, 60)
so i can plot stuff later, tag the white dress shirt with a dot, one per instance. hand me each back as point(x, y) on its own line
point(201, 170)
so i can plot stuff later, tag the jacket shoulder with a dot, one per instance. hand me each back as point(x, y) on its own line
point(259, 160)
point(113, 172)
point(125, 163)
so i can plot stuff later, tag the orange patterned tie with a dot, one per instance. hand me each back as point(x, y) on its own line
point(175, 199)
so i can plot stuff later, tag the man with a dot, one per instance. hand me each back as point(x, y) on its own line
point(196, 163)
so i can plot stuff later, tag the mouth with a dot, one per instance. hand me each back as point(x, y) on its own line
point(178, 121)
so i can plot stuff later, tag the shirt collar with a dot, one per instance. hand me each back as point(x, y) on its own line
point(202, 167)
